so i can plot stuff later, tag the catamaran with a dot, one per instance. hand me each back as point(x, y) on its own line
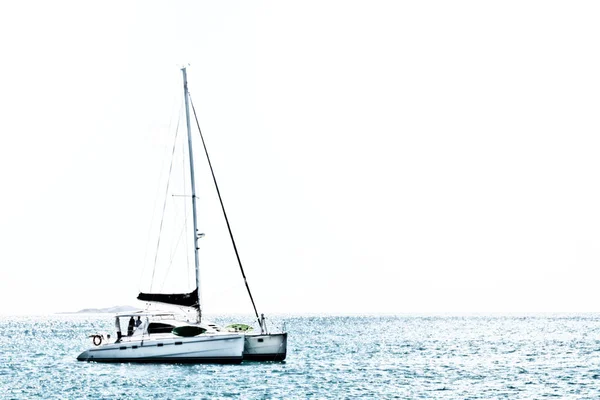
point(167, 336)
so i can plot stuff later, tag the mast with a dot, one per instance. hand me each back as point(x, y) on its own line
point(189, 134)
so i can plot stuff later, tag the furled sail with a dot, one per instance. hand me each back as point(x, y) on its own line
point(178, 299)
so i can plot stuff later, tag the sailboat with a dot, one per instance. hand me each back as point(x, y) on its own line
point(164, 336)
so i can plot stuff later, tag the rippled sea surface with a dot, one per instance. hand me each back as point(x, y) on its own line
point(411, 357)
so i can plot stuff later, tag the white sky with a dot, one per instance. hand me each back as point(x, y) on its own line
point(374, 156)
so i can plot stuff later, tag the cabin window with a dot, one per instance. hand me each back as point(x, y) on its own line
point(176, 343)
point(159, 345)
point(261, 340)
point(122, 348)
point(156, 327)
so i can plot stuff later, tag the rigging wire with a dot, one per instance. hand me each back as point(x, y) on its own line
point(162, 218)
point(224, 213)
point(184, 228)
point(156, 196)
point(172, 256)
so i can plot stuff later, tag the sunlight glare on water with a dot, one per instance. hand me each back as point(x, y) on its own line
point(442, 357)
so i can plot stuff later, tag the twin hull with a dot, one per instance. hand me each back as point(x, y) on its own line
point(172, 349)
point(265, 347)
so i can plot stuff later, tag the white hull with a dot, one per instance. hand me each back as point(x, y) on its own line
point(168, 348)
point(265, 347)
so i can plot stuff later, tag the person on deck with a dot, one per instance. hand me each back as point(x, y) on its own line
point(118, 326)
point(141, 329)
point(130, 326)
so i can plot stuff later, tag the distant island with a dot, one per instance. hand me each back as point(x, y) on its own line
point(108, 310)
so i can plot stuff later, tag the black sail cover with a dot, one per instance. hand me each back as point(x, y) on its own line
point(178, 299)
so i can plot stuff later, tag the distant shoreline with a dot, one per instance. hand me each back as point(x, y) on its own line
point(108, 310)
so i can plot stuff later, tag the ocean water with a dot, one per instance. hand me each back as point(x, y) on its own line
point(406, 357)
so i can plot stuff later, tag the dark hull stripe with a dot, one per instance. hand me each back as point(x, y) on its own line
point(170, 360)
point(154, 343)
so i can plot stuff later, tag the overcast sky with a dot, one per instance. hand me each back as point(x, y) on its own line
point(374, 156)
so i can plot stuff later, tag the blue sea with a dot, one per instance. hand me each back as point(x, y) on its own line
point(350, 357)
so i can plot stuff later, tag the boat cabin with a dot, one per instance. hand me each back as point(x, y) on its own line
point(144, 323)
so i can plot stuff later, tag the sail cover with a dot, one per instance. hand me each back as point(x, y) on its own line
point(178, 299)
